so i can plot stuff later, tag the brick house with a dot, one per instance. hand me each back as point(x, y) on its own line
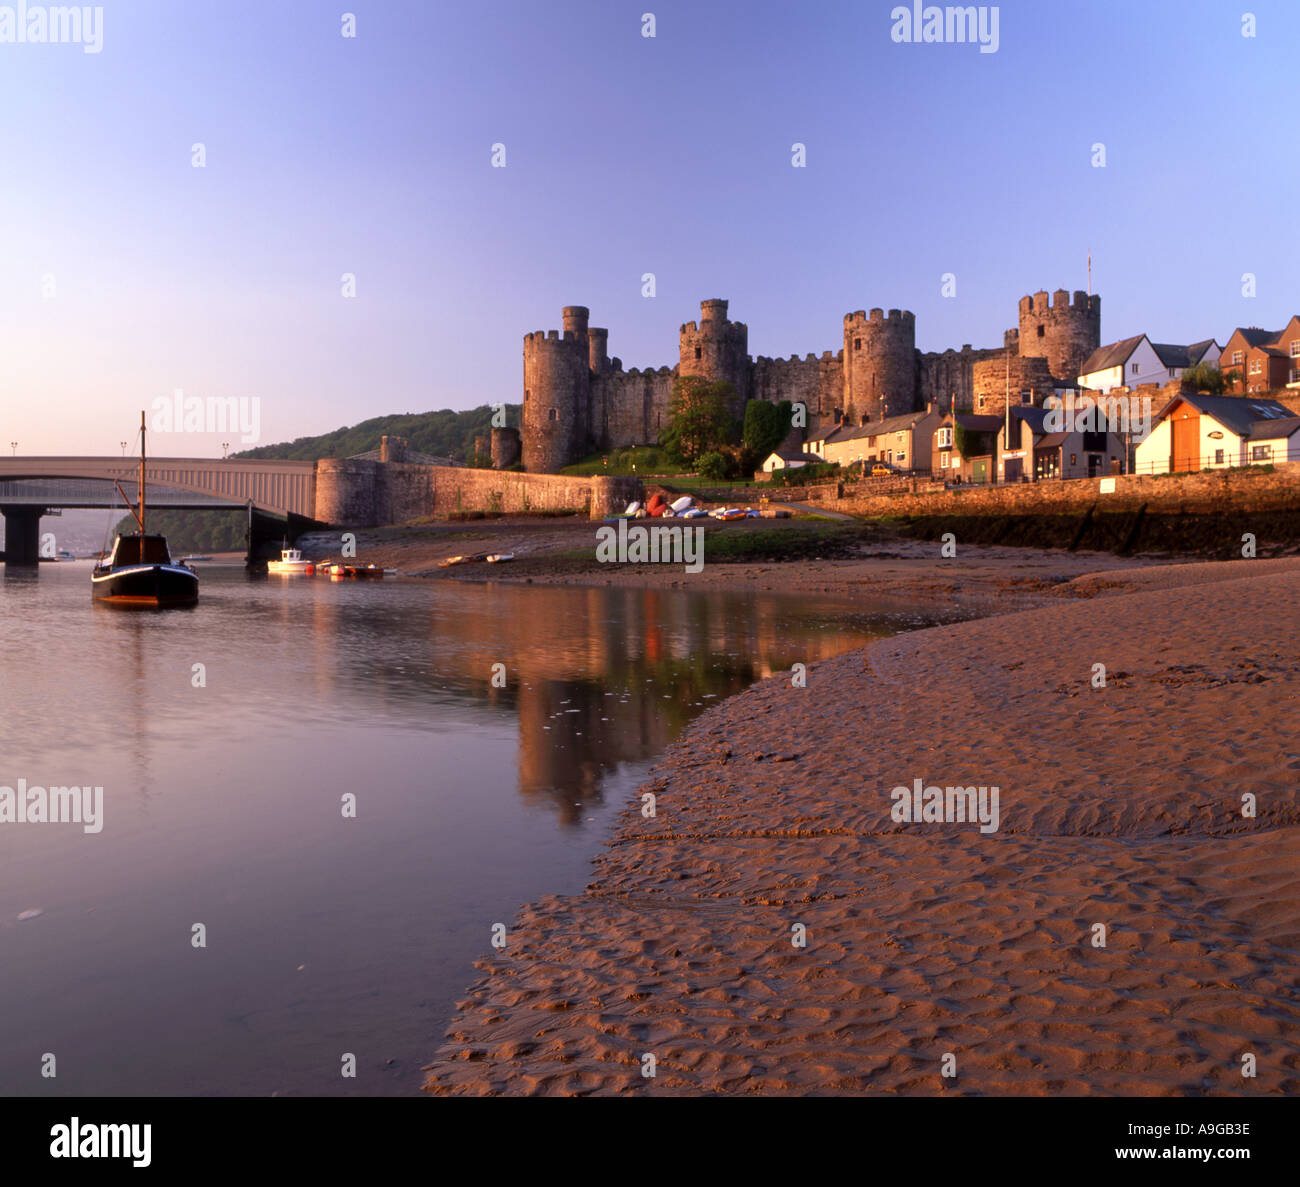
point(1268, 360)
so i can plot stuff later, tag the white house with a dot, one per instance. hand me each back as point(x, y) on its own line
point(788, 459)
point(1139, 360)
point(1199, 432)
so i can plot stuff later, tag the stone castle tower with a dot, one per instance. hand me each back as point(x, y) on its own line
point(557, 390)
point(577, 399)
point(717, 350)
point(1063, 333)
point(879, 365)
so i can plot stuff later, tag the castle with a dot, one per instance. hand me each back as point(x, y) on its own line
point(577, 399)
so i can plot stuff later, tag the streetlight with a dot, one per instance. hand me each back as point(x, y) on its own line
point(225, 445)
point(123, 449)
point(14, 446)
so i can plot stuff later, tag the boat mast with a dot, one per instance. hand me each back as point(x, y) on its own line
point(140, 517)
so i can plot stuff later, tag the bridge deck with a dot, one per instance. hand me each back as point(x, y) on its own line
point(275, 486)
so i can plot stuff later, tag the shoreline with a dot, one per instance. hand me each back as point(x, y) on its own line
point(785, 556)
point(1119, 807)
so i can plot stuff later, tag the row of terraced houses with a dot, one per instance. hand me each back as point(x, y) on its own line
point(1023, 443)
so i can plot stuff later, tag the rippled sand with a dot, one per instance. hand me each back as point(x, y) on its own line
point(1119, 806)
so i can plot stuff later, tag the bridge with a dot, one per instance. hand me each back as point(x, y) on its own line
point(286, 498)
point(33, 486)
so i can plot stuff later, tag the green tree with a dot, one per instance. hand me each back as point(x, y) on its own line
point(766, 426)
point(1206, 377)
point(699, 417)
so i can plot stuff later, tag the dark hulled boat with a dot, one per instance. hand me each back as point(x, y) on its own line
point(139, 571)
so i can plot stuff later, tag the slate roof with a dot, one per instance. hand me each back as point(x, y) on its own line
point(979, 423)
point(1035, 417)
point(1114, 355)
point(1238, 413)
point(1254, 336)
point(1273, 429)
point(1171, 355)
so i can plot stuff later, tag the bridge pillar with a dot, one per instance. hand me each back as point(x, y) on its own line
point(22, 535)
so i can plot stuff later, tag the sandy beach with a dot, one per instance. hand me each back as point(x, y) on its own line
point(1125, 930)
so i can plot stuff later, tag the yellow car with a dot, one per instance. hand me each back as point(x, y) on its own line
point(880, 470)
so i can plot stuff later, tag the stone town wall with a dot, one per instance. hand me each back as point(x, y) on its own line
point(353, 493)
point(1256, 489)
point(457, 491)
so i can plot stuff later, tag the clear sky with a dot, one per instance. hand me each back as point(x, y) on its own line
point(371, 155)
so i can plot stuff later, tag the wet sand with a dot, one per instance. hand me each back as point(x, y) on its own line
point(1119, 806)
point(881, 564)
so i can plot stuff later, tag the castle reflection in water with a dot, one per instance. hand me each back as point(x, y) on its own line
point(595, 677)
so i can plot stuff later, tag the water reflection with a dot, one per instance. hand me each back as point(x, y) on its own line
point(595, 678)
point(222, 804)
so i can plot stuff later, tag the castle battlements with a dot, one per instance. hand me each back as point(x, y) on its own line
point(538, 337)
point(1060, 301)
point(901, 316)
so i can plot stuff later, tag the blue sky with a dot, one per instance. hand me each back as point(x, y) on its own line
point(625, 155)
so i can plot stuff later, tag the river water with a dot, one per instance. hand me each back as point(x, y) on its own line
point(324, 934)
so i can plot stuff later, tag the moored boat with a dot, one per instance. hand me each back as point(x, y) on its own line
point(291, 562)
point(361, 571)
point(139, 570)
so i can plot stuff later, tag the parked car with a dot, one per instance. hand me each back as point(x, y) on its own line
point(881, 470)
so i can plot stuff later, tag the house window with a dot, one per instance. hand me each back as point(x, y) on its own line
point(945, 437)
point(1295, 349)
point(980, 403)
point(1218, 457)
point(527, 393)
point(1074, 457)
point(1134, 369)
point(1255, 366)
point(1237, 357)
point(554, 414)
point(1172, 373)
point(1041, 332)
point(1026, 397)
point(1261, 453)
point(943, 460)
point(697, 352)
point(857, 343)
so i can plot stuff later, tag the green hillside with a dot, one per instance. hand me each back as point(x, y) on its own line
point(195, 531)
point(443, 434)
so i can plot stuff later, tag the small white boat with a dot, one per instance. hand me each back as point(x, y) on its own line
point(65, 555)
point(291, 562)
point(497, 557)
point(194, 556)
